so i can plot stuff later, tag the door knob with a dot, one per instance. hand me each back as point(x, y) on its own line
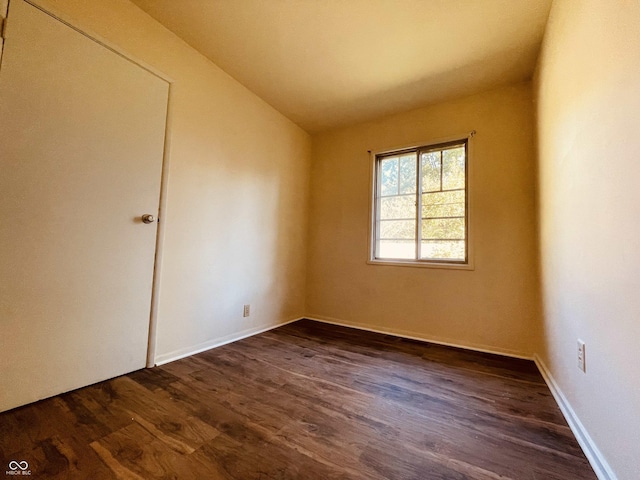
point(148, 218)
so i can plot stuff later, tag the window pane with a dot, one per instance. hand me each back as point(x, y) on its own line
point(398, 207)
point(389, 176)
point(442, 219)
point(446, 228)
point(408, 174)
point(453, 168)
point(430, 171)
point(397, 249)
point(443, 210)
point(443, 250)
point(442, 198)
point(398, 229)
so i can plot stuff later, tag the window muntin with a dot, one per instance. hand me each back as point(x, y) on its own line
point(421, 193)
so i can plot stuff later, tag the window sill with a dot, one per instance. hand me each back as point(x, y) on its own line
point(425, 264)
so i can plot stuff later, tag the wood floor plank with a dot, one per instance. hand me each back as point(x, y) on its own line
point(429, 396)
point(133, 452)
point(446, 423)
point(399, 373)
point(306, 401)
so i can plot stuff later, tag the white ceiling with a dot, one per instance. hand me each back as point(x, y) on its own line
point(327, 63)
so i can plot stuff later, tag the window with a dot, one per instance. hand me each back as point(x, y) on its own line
point(420, 205)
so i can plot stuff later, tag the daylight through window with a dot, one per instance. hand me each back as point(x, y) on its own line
point(421, 204)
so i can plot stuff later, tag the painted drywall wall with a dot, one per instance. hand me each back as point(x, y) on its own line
point(493, 307)
point(237, 191)
point(588, 91)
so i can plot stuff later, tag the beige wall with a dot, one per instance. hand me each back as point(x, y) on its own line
point(589, 143)
point(238, 179)
point(236, 222)
point(493, 307)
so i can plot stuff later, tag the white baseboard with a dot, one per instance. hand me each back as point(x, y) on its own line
point(216, 342)
point(596, 459)
point(416, 336)
point(599, 464)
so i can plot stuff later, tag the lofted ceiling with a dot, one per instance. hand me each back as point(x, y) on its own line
point(328, 63)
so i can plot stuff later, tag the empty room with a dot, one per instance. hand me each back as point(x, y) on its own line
point(320, 239)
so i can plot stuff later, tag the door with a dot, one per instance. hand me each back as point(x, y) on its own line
point(81, 147)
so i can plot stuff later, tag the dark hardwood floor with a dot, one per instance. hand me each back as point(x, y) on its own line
point(305, 401)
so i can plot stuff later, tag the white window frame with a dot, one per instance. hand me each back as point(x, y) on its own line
point(423, 263)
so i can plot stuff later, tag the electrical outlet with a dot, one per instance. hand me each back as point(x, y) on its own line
point(247, 310)
point(582, 359)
